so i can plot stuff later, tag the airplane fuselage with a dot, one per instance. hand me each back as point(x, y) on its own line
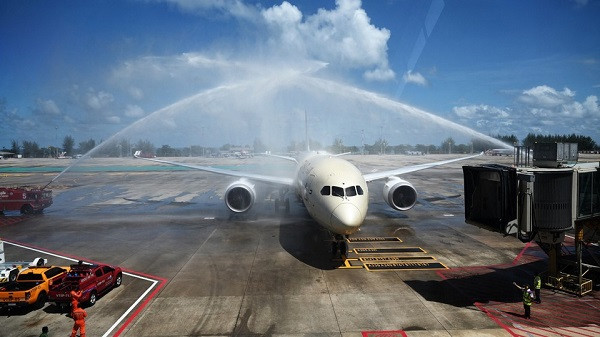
point(333, 191)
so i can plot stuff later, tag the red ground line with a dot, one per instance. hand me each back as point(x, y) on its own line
point(524, 323)
point(579, 317)
point(570, 306)
point(574, 332)
point(518, 257)
point(494, 318)
point(574, 303)
point(161, 281)
point(140, 308)
point(554, 323)
point(544, 326)
point(383, 333)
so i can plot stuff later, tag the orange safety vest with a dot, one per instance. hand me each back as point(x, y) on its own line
point(79, 314)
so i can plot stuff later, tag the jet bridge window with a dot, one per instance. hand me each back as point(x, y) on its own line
point(326, 190)
point(589, 194)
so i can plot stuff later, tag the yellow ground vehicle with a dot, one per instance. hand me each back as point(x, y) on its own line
point(31, 286)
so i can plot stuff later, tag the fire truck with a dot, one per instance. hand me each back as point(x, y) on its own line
point(28, 200)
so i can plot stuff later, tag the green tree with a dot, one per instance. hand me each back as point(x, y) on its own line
point(145, 146)
point(86, 146)
point(338, 146)
point(15, 147)
point(68, 144)
point(259, 146)
point(31, 149)
point(167, 151)
point(447, 145)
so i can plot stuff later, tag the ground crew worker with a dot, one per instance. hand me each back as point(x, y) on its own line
point(78, 316)
point(527, 297)
point(44, 332)
point(75, 298)
point(537, 285)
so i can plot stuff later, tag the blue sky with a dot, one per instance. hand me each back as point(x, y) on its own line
point(91, 68)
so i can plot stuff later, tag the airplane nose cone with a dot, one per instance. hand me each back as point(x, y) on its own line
point(346, 218)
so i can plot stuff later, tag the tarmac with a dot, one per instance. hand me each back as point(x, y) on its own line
point(195, 269)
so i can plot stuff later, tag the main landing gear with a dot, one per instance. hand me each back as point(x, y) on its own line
point(283, 201)
point(339, 246)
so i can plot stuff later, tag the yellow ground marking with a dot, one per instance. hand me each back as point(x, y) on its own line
point(373, 239)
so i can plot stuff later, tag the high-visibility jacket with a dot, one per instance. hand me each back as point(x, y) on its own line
point(537, 282)
point(79, 315)
point(527, 297)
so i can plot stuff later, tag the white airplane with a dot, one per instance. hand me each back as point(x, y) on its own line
point(333, 190)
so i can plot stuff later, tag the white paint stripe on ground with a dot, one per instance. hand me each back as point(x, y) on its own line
point(144, 294)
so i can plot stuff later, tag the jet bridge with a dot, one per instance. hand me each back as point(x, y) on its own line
point(543, 204)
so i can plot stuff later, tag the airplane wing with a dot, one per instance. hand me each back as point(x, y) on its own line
point(406, 169)
point(232, 173)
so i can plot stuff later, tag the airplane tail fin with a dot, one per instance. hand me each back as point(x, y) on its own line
point(137, 154)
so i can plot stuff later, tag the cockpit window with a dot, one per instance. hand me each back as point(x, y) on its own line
point(337, 191)
point(350, 191)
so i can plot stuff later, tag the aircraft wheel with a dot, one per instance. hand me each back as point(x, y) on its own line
point(343, 248)
point(334, 248)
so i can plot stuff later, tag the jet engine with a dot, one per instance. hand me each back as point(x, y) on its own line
point(240, 196)
point(399, 194)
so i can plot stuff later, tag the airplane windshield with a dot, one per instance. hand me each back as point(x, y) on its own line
point(350, 191)
point(337, 191)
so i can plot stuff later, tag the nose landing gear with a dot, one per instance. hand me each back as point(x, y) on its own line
point(339, 246)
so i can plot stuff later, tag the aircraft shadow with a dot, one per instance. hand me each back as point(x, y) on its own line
point(479, 284)
point(304, 239)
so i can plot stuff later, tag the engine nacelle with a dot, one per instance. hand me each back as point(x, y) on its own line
point(399, 194)
point(240, 196)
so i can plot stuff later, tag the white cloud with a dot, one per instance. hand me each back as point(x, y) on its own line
point(343, 37)
point(546, 96)
point(416, 78)
point(545, 110)
point(133, 111)
point(545, 101)
point(480, 111)
point(591, 105)
point(229, 7)
point(136, 93)
point(47, 107)
point(113, 119)
point(98, 100)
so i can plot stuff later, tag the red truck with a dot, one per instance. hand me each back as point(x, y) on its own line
point(25, 199)
point(91, 279)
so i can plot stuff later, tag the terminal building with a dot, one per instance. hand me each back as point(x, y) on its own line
point(553, 200)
